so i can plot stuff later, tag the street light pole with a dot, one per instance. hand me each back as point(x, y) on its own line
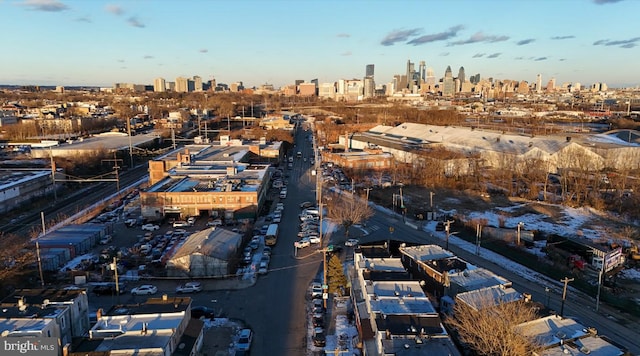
point(447, 229)
point(566, 281)
point(520, 225)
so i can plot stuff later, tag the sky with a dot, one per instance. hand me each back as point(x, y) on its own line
point(99, 43)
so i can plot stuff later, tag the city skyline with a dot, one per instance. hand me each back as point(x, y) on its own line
point(99, 43)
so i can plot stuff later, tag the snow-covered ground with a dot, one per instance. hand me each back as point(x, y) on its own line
point(574, 219)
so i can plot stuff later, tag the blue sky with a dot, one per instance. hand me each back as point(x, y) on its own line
point(93, 42)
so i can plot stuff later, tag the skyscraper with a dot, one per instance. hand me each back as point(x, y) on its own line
point(369, 70)
point(369, 83)
point(410, 74)
point(197, 83)
point(182, 85)
point(159, 85)
point(448, 85)
point(539, 83)
point(422, 72)
point(461, 76)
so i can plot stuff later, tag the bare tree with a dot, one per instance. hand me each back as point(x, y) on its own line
point(348, 209)
point(491, 329)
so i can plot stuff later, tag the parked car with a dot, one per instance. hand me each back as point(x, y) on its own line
point(263, 269)
point(314, 239)
point(319, 338)
point(244, 340)
point(191, 220)
point(302, 243)
point(180, 223)
point(200, 311)
point(254, 244)
point(106, 240)
point(145, 289)
point(316, 290)
point(108, 289)
point(266, 251)
point(352, 242)
point(150, 227)
point(189, 287)
point(215, 222)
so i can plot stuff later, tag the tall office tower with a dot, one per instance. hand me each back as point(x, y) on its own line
point(576, 86)
point(430, 81)
point(197, 83)
point(461, 77)
point(298, 82)
point(369, 70)
point(551, 84)
point(448, 86)
point(422, 71)
point(159, 85)
point(410, 70)
point(539, 83)
point(369, 87)
point(314, 81)
point(212, 84)
point(182, 85)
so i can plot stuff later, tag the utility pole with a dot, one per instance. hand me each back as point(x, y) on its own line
point(115, 168)
point(115, 269)
point(478, 236)
point(447, 229)
point(130, 144)
point(520, 225)
point(566, 281)
point(368, 190)
point(431, 194)
point(53, 176)
point(44, 231)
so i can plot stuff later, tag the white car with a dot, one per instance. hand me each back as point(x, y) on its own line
point(150, 227)
point(189, 287)
point(314, 239)
point(180, 223)
point(302, 243)
point(216, 222)
point(351, 242)
point(145, 289)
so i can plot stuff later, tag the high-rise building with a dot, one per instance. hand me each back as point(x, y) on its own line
point(159, 85)
point(410, 75)
point(461, 77)
point(539, 83)
point(551, 85)
point(369, 70)
point(430, 80)
point(369, 83)
point(448, 85)
point(197, 83)
point(182, 85)
point(422, 72)
point(369, 87)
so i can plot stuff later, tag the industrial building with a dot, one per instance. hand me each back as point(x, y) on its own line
point(411, 142)
point(20, 186)
point(206, 253)
point(209, 180)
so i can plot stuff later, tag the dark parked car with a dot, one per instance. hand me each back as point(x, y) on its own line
point(200, 311)
point(109, 289)
point(319, 339)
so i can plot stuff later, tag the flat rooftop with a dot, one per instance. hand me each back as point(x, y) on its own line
point(400, 289)
point(424, 253)
point(10, 178)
